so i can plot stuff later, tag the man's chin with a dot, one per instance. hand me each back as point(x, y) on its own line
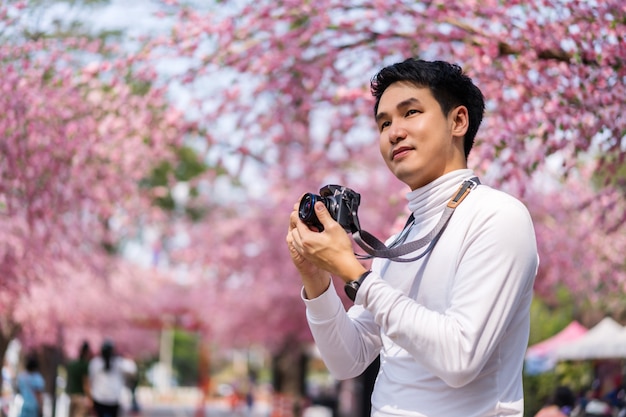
point(412, 179)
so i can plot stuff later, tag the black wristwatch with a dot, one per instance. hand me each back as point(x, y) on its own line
point(352, 287)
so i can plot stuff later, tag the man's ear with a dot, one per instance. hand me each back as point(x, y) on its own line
point(459, 117)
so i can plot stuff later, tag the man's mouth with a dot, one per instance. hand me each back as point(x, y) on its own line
point(399, 152)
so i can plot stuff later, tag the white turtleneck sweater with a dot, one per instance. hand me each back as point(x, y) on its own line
point(454, 346)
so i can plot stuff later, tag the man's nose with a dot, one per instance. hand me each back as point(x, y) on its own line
point(397, 133)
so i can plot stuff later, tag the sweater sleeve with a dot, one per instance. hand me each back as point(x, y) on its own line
point(348, 341)
point(490, 289)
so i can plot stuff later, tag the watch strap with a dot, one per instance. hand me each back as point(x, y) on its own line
point(352, 287)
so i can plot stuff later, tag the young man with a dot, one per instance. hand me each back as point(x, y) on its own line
point(451, 327)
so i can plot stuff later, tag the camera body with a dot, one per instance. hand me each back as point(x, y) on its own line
point(341, 202)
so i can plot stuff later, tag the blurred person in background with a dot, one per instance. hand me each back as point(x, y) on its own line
point(77, 382)
point(31, 385)
point(561, 403)
point(108, 373)
point(7, 389)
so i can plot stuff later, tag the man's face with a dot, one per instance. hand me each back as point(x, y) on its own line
point(417, 141)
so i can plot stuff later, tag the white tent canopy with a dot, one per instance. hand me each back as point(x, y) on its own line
point(540, 356)
point(606, 340)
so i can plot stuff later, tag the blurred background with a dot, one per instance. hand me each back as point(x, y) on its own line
point(151, 152)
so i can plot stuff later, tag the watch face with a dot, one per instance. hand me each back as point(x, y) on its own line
point(351, 289)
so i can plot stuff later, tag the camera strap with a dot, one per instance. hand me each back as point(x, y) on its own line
point(377, 249)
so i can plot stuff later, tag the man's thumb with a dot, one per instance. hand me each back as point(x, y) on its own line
point(321, 212)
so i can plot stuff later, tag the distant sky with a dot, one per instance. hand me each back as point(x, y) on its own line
point(134, 16)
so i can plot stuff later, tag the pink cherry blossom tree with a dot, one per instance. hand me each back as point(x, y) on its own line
point(552, 74)
point(581, 240)
point(81, 131)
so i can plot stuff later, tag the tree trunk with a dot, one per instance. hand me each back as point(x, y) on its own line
point(289, 367)
point(8, 331)
point(50, 358)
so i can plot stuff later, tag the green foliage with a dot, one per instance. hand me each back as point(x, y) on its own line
point(300, 22)
point(143, 367)
point(603, 177)
point(539, 388)
point(546, 321)
point(185, 357)
point(139, 87)
point(72, 23)
point(188, 167)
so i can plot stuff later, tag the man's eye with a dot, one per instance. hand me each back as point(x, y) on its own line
point(384, 125)
point(412, 111)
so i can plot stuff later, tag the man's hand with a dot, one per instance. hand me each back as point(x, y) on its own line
point(330, 250)
point(314, 279)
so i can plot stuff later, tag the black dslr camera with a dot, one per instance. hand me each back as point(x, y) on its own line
point(341, 202)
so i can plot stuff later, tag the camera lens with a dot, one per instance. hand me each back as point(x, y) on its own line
point(306, 211)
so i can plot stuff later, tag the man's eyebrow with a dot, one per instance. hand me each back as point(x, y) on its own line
point(400, 105)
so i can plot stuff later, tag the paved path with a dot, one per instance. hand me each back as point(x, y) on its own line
point(162, 410)
point(210, 410)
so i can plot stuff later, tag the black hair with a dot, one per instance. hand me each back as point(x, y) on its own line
point(85, 350)
point(32, 363)
point(563, 397)
point(107, 351)
point(447, 83)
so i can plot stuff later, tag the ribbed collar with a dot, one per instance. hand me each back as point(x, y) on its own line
point(429, 201)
